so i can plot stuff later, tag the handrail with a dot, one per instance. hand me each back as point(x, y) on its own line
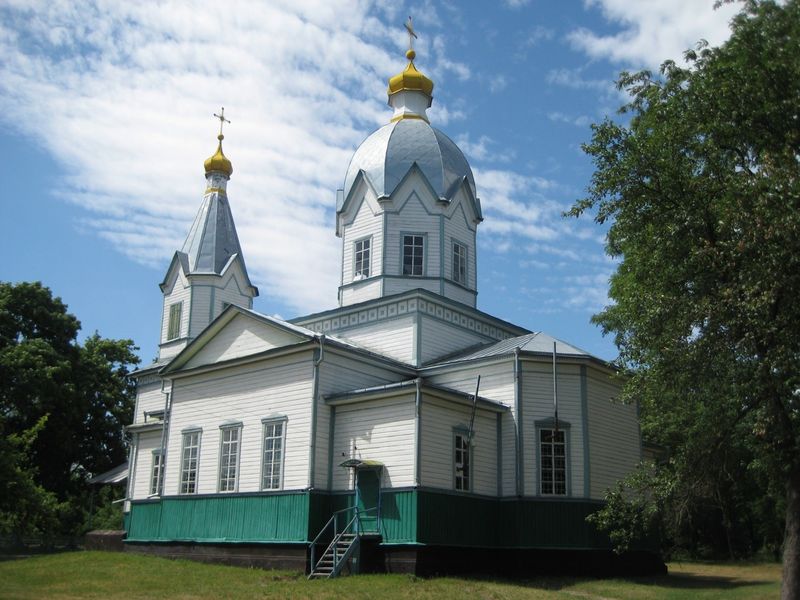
point(356, 518)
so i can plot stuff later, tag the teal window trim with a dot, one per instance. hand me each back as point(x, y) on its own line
point(266, 424)
point(565, 426)
point(424, 245)
point(230, 448)
point(462, 478)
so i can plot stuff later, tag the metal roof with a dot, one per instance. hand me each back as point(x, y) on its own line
point(537, 343)
point(388, 154)
point(115, 475)
point(212, 240)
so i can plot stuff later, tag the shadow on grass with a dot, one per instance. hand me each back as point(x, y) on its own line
point(680, 581)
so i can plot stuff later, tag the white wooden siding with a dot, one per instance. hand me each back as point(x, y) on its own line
point(459, 294)
point(148, 399)
point(440, 338)
point(412, 218)
point(281, 386)
point(393, 338)
point(367, 290)
point(201, 308)
point(497, 383)
point(382, 430)
point(614, 448)
point(399, 285)
point(232, 291)
point(339, 373)
point(437, 470)
point(178, 290)
point(537, 403)
point(457, 229)
point(148, 442)
point(242, 336)
point(367, 223)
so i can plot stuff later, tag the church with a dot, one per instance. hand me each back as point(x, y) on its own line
point(404, 430)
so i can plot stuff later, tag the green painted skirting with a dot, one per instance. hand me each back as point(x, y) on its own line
point(410, 517)
point(224, 518)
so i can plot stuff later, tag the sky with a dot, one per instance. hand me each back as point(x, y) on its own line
point(106, 110)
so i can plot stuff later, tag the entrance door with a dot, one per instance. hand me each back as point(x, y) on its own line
point(368, 498)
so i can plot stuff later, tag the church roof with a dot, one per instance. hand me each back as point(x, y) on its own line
point(532, 343)
point(386, 156)
point(212, 240)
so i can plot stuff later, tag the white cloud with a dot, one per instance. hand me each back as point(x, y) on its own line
point(559, 117)
point(516, 3)
point(653, 30)
point(498, 83)
point(484, 150)
point(573, 78)
point(121, 95)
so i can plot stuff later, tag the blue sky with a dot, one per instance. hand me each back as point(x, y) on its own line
point(106, 112)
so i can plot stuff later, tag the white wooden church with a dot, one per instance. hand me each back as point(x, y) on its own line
point(262, 441)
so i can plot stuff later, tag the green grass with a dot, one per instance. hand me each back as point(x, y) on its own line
point(114, 575)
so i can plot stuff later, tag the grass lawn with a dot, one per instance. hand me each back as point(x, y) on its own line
point(129, 576)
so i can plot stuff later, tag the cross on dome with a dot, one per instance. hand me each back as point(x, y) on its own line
point(222, 119)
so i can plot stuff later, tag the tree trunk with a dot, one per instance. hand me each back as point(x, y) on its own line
point(790, 589)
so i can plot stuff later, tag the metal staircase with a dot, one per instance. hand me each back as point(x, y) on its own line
point(343, 546)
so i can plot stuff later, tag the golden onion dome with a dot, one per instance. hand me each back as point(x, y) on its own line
point(219, 162)
point(410, 79)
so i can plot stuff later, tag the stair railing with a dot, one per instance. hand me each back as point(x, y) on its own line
point(353, 525)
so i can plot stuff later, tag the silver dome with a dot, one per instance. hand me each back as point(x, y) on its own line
point(388, 154)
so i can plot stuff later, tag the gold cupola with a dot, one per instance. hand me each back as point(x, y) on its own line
point(219, 162)
point(410, 79)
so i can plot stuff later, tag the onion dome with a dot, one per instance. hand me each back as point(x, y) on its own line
point(387, 155)
point(219, 162)
point(410, 79)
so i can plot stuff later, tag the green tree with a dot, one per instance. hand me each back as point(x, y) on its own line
point(702, 190)
point(66, 400)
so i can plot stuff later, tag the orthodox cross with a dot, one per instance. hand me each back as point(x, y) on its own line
point(222, 119)
point(411, 33)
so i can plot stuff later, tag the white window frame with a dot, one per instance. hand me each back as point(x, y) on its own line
point(229, 455)
point(413, 245)
point(462, 477)
point(174, 325)
point(268, 468)
point(156, 471)
point(549, 457)
point(190, 463)
point(362, 258)
point(461, 258)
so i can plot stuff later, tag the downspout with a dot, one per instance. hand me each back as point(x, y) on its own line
point(417, 431)
point(312, 460)
point(132, 455)
point(165, 434)
point(518, 423)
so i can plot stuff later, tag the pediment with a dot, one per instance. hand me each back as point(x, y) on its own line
point(237, 333)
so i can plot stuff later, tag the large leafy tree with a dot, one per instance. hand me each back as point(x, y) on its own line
point(62, 404)
point(702, 192)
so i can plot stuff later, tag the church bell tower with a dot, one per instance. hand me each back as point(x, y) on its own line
point(208, 273)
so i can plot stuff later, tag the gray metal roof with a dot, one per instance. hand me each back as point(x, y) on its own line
point(212, 240)
point(115, 475)
point(537, 343)
point(388, 154)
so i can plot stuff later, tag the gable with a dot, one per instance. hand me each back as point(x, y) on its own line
point(241, 336)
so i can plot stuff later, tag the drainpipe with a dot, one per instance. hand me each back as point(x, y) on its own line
point(312, 461)
point(518, 422)
point(417, 431)
point(165, 433)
